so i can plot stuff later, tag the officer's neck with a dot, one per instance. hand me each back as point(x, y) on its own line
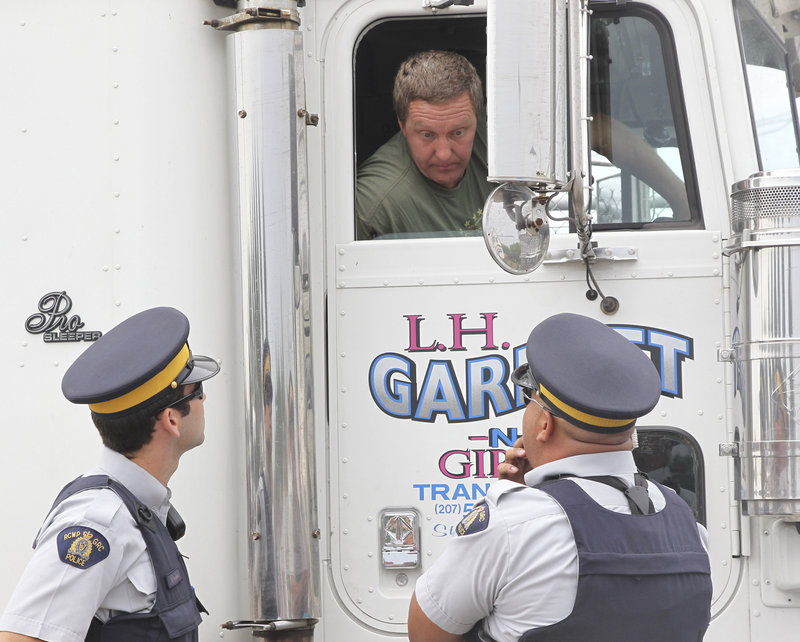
point(567, 442)
point(156, 463)
point(161, 454)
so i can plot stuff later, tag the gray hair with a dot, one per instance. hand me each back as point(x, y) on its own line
point(435, 77)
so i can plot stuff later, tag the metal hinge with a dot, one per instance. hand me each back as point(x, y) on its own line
point(726, 355)
point(249, 16)
point(311, 119)
point(443, 4)
point(269, 626)
point(601, 254)
point(231, 4)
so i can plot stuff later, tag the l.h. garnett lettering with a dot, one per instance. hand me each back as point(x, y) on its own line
point(410, 388)
point(486, 331)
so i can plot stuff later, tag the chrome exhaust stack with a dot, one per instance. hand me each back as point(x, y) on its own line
point(267, 110)
point(765, 273)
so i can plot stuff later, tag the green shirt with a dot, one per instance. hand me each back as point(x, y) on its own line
point(394, 198)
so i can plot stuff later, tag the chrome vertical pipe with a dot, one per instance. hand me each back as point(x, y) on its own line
point(765, 255)
point(267, 105)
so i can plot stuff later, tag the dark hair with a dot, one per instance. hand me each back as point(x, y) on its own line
point(435, 77)
point(126, 432)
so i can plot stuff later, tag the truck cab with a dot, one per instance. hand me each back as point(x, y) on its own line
point(365, 400)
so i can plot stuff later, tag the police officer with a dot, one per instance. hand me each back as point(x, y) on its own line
point(105, 566)
point(573, 543)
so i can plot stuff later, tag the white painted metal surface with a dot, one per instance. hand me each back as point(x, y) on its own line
point(117, 193)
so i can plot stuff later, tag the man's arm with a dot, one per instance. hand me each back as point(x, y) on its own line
point(7, 636)
point(420, 628)
point(631, 153)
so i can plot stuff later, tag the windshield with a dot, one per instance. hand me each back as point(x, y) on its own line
point(641, 158)
point(769, 90)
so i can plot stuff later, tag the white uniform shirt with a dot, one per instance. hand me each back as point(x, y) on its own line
point(56, 601)
point(521, 571)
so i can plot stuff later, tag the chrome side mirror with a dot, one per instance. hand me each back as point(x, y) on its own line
point(515, 227)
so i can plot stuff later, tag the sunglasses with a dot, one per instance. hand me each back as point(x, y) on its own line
point(528, 393)
point(197, 393)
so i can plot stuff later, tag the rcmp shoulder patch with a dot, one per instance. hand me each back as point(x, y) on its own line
point(476, 521)
point(81, 546)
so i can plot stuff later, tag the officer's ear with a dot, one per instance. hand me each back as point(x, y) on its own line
point(168, 420)
point(545, 425)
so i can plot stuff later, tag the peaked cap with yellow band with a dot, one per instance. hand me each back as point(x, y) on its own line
point(136, 361)
point(589, 374)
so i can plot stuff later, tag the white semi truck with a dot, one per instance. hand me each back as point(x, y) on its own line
point(203, 155)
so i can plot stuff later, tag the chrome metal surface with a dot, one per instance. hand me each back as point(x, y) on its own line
point(278, 625)
point(601, 254)
point(726, 354)
point(771, 179)
point(773, 199)
point(765, 217)
point(526, 93)
point(253, 16)
point(578, 44)
point(515, 228)
point(400, 538)
point(764, 238)
point(268, 91)
point(443, 4)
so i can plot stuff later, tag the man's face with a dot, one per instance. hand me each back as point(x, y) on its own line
point(439, 137)
point(193, 424)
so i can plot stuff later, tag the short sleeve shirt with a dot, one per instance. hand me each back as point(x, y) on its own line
point(55, 600)
point(393, 198)
point(518, 570)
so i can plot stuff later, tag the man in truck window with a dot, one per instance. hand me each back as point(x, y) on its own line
point(573, 543)
point(105, 566)
point(430, 177)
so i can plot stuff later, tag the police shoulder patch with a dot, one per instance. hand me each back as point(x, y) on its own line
point(81, 546)
point(476, 521)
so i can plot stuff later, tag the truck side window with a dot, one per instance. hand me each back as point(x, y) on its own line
point(673, 458)
point(641, 156)
point(379, 52)
point(767, 72)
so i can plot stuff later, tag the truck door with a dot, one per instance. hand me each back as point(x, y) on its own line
point(424, 332)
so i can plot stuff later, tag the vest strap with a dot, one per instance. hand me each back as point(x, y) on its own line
point(638, 498)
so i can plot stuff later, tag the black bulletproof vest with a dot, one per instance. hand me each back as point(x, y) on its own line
point(640, 577)
point(176, 612)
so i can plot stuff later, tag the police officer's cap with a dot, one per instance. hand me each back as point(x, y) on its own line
point(136, 361)
point(589, 374)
